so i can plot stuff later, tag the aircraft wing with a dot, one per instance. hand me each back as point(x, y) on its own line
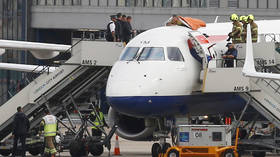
point(249, 66)
point(39, 50)
point(25, 68)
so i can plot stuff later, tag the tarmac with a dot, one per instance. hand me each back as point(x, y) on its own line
point(127, 149)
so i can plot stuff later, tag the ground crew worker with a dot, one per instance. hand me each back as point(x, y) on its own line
point(254, 28)
point(49, 123)
point(243, 20)
point(98, 120)
point(235, 35)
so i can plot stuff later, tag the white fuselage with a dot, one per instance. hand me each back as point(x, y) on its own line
point(148, 81)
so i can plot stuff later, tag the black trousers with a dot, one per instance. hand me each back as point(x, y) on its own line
point(96, 132)
point(126, 40)
point(21, 138)
point(229, 63)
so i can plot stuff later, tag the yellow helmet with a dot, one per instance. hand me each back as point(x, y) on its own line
point(251, 17)
point(233, 17)
point(243, 18)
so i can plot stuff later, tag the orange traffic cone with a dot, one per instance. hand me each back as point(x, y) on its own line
point(117, 147)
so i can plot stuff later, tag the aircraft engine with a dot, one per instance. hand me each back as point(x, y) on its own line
point(131, 128)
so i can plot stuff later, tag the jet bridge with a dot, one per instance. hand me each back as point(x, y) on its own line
point(80, 76)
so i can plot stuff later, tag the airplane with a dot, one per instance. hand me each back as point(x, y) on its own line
point(157, 76)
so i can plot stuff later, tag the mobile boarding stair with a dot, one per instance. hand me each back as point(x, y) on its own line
point(81, 76)
point(262, 94)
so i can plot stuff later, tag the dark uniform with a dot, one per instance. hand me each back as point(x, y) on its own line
point(229, 60)
point(118, 30)
point(126, 31)
point(236, 32)
point(21, 127)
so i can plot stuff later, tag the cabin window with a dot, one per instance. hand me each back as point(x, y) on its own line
point(129, 54)
point(152, 54)
point(174, 54)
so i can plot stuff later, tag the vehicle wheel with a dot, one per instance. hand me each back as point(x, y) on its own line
point(35, 151)
point(165, 147)
point(156, 149)
point(5, 152)
point(239, 153)
point(77, 149)
point(258, 154)
point(228, 153)
point(96, 149)
point(173, 153)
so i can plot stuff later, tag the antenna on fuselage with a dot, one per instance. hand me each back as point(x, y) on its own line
point(216, 19)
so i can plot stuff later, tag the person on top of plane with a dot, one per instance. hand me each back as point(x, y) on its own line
point(254, 27)
point(243, 20)
point(235, 34)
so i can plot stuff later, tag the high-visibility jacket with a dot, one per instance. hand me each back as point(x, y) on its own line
point(50, 125)
point(254, 31)
point(236, 32)
point(96, 121)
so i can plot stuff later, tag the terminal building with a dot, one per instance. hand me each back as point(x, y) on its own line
point(58, 21)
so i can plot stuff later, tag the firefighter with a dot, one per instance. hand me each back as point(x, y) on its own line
point(98, 120)
point(254, 27)
point(49, 125)
point(243, 20)
point(235, 35)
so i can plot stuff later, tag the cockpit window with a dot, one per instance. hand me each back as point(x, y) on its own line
point(174, 54)
point(152, 54)
point(129, 54)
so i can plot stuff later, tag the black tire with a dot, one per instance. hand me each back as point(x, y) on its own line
point(165, 147)
point(259, 154)
point(173, 153)
point(78, 149)
point(35, 151)
point(228, 153)
point(96, 149)
point(5, 152)
point(156, 148)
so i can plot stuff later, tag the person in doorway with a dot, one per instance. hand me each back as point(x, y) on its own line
point(230, 55)
point(50, 128)
point(20, 130)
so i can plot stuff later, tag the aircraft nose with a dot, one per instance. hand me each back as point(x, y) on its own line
point(148, 105)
